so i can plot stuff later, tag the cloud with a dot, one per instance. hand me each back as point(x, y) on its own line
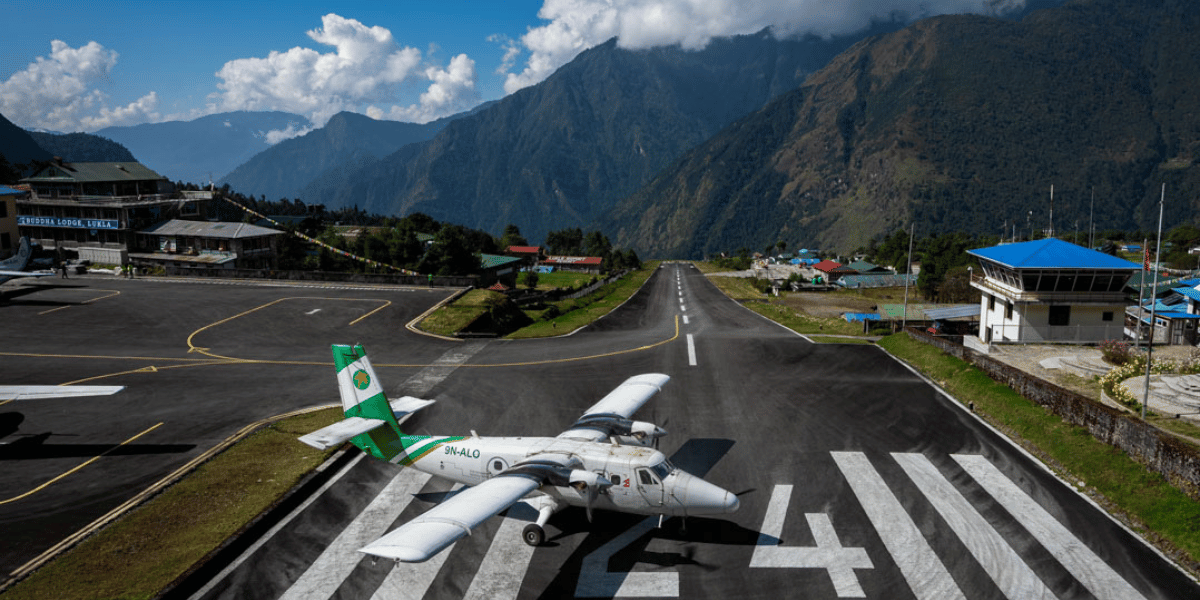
point(57, 92)
point(367, 66)
point(278, 135)
point(576, 25)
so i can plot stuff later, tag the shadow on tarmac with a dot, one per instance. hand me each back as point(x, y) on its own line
point(34, 447)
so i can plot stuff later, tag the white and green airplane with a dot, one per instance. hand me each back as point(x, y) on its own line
point(604, 460)
point(15, 265)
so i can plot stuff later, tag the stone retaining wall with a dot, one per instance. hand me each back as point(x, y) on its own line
point(1158, 450)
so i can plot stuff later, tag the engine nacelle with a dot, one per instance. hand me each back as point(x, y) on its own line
point(642, 433)
point(588, 481)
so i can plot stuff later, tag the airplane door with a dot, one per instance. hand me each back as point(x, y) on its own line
point(650, 487)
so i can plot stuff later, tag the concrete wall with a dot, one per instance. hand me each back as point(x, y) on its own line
point(1159, 451)
point(102, 256)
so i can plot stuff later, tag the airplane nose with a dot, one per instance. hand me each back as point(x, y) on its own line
point(706, 498)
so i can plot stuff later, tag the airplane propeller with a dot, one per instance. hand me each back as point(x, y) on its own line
point(589, 485)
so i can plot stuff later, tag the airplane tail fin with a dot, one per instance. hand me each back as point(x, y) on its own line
point(371, 422)
point(20, 260)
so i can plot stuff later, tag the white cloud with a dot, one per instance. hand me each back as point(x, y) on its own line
point(575, 25)
point(58, 92)
point(278, 135)
point(367, 66)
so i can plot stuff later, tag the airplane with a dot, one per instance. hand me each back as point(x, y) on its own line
point(15, 265)
point(41, 392)
point(603, 461)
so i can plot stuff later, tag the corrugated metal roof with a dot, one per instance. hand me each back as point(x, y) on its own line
point(91, 172)
point(1187, 292)
point(954, 312)
point(208, 229)
point(7, 191)
point(1050, 253)
point(491, 261)
point(876, 281)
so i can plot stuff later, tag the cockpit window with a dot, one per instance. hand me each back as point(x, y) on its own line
point(663, 469)
point(646, 477)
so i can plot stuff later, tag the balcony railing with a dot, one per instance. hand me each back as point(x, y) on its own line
point(1061, 333)
point(1016, 295)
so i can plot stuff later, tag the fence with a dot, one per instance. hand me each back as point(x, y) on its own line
point(1079, 334)
point(372, 278)
point(1160, 451)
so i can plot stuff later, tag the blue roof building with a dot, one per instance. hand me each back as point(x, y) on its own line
point(1050, 291)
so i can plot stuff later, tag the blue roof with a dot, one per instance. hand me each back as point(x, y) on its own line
point(1051, 253)
point(1187, 292)
point(7, 191)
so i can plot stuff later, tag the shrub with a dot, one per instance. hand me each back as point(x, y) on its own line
point(1115, 352)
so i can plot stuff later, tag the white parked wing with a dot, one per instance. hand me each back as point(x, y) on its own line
point(40, 392)
point(425, 536)
point(628, 397)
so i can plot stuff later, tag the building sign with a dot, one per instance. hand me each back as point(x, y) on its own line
point(67, 222)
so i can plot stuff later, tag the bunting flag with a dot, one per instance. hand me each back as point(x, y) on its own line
point(1146, 257)
point(306, 238)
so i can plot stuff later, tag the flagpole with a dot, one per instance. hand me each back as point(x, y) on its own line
point(1154, 294)
point(1141, 311)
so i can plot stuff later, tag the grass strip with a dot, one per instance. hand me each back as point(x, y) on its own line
point(147, 549)
point(455, 316)
point(573, 314)
point(1144, 500)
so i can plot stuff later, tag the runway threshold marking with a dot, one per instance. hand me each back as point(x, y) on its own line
point(995, 555)
point(78, 467)
point(900, 535)
point(1099, 578)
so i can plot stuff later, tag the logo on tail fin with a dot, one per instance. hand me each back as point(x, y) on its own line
point(362, 380)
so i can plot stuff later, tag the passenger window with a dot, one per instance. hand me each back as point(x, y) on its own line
point(498, 466)
point(615, 479)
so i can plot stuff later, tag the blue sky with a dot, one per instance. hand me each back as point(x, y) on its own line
point(82, 66)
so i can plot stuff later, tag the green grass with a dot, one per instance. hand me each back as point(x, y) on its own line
point(1150, 505)
point(147, 549)
point(559, 279)
point(573, 314)
point(453, 317)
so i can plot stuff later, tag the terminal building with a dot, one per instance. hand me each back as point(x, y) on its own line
point(96, 208)
point(1049, 291)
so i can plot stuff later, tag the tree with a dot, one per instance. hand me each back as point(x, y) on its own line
point(449, 254)
point(531, 278)
point(512, 237)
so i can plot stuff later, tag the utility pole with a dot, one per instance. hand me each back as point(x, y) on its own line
point(1153, 295)
point(904, 319)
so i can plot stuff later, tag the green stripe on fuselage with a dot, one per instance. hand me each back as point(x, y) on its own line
point(417, 447)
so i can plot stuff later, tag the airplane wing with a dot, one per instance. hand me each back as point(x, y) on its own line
point(40, 392)
point(432, 532)
point(25, 273)
point(622, 402)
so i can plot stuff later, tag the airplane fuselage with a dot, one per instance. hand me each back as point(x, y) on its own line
point(643, 481)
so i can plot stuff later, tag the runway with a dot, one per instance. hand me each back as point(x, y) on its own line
point(857, 478)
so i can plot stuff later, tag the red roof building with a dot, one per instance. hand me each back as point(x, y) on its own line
point(583, 264)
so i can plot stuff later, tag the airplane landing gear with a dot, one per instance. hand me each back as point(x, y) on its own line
point(533, 534)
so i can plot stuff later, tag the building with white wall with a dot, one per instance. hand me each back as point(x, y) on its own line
point(1049, 291)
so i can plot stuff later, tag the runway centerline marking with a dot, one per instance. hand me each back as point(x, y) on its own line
point(691, 347)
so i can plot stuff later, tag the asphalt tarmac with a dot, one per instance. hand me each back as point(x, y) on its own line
point(857, 478)
point(180, 348)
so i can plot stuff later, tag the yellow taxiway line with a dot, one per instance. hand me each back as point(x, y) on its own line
point(78, 467)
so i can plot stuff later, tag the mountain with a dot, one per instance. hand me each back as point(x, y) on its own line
point(346, 143)
point(17, 146)
point(192, 151)
point(561, 153)
point(954, 123)
point(82, 147)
